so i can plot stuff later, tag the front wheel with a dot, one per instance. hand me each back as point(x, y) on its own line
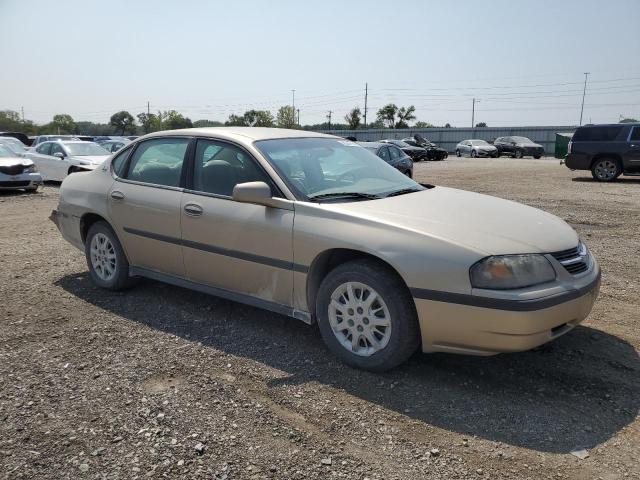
point(366, 316)
point(473, 154)
point(606, 170)
point(537, 157)
point(108, 265)
point(458, 153)
point(519, 154)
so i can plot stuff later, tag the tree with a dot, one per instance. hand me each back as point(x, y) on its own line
point(10, 121)
point(172, 120)
point(387, 115)
point(447, 125)
point(258, 118)
point(405, 115)
point(353, 118)
point(148, 121)
point(207, 123)
point(628, 120)
point(63, 123)
point(424, 125)
point(481, 125)
point(286, 117)
point(123, 122)
point(236, 121)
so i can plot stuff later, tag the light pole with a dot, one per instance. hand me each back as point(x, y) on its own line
point(586, 74)
point(293, 104)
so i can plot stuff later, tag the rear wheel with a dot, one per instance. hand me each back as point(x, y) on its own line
point(606, 169)
point(537, 157)
point(473, 154)
point(519, 154)
point(458, 153)
point(108, 265)
point(366, 316)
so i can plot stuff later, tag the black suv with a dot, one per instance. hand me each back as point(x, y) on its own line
point(607, 150)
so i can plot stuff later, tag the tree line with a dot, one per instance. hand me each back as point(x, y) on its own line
point(124, 123)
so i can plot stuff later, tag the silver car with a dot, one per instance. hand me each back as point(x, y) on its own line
point(476, 148)
point(17, 172)
point(56, 160)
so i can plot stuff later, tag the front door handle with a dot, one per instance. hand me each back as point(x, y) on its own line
point(116, 195)
point(193, 210)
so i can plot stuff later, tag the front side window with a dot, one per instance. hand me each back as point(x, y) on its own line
point(85, 149)
point(118, 162)
point(158, 161)
point(221, 166)
point(317, 168)
point(635, 134)
point(44, 148)
point(57, 148)
point(395, 153)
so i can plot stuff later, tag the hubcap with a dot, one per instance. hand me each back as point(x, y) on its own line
point(103, 256)
point(359, 318)
point(606, 170)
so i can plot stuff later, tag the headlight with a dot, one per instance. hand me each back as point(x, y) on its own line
point(511, 271)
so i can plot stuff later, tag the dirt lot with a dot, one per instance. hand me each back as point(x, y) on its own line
point(161, 382)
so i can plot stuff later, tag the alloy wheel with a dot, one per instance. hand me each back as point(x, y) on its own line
point(606, 170)
point(103, 256)
point(359, 318)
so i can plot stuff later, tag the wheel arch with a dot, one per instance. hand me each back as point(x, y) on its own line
point(90, 218)
point(327, 260)
point(613, 156)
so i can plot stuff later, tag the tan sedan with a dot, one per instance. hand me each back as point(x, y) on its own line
point(319, 228)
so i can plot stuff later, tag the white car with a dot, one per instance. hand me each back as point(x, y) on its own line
point(476, 148)
point(56, 160)
point(15, 145)
point(17, 172)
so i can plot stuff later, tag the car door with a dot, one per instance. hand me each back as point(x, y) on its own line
point(239, 247)
point(508, 146)
point(59, 162)
point(499, 144)
point(42, 160)
point(144, 205)
point(631, 156)
point(466, 147)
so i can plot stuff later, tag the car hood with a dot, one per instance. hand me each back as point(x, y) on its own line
point(529, 145)
point(12, 161)
point(485, 147)
point(93, 159)
point(489, 225)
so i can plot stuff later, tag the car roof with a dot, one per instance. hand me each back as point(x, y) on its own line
point(243, 134)
point(371, 144)
point(626, 124)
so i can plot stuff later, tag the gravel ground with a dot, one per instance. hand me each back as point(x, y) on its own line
point(160, 382)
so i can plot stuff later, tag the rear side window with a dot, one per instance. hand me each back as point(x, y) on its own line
point(597, 134)
point(384, 154)
point(395, 153)
point(158, 161)
point(118, 162)
point(635, 134)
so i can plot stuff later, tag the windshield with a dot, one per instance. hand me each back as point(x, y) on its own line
point(478, 142)
point(5, 152)
point(314, 167)
point(15, 145)
point(521, 140)
point(85, 149)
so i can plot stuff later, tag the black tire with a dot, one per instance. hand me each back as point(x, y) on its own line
point(518, 154)
point(473, 154)
point(120, 279)
point(404, 338)
point(32, 190)
point(537, 157)
point(458, 153)
point(606, 169)
point(408, 173)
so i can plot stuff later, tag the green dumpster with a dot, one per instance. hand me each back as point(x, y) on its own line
point(562, 143)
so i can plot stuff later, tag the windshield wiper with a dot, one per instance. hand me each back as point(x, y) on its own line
point(402, 192)
point(326, 196)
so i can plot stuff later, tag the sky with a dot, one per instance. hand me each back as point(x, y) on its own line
point(524, 61)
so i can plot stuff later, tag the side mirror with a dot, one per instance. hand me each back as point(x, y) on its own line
point(259, 193)
point(60, 155)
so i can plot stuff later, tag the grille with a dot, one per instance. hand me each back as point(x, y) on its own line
point(12, 169)
point(15, 184)
point(573, 260)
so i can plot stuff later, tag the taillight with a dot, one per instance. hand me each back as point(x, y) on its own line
point(569, 147)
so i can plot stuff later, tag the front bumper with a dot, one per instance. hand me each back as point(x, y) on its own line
point(486, 153)
point(578, 161)
point(495, 327)
point(20, 181)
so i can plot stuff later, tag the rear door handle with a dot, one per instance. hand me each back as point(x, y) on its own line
point(116, 195)
point(193, 210)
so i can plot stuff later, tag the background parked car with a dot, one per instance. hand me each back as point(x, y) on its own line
point(416, 153)
point(518, 147)
point(17, 172)
point(607, 150)
point(392, 155)
point(20, 136)
point(434, 152)
point(15, 145)
point(476, 148)
point(115, 145)
point(48, 138)
point(55, 160)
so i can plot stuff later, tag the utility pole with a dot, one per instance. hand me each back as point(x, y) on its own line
point(329, 118)
point(148, 109)
point(298, 116)
point(473, 113)
point(22, 110)
point(586, 74)
point(293, 100)
point(366, 93)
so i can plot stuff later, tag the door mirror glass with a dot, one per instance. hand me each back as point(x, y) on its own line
point(60, 155)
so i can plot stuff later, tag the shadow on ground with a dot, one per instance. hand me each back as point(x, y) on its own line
point(618, 181)
point(575, 392)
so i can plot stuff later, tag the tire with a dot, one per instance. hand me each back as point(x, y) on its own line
point(606, 169)
point(473, 154)
point(31, 190)
point(518, 154)
point(458, 153)
point(107, 245)
point(400, 339)
point(537, 157)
